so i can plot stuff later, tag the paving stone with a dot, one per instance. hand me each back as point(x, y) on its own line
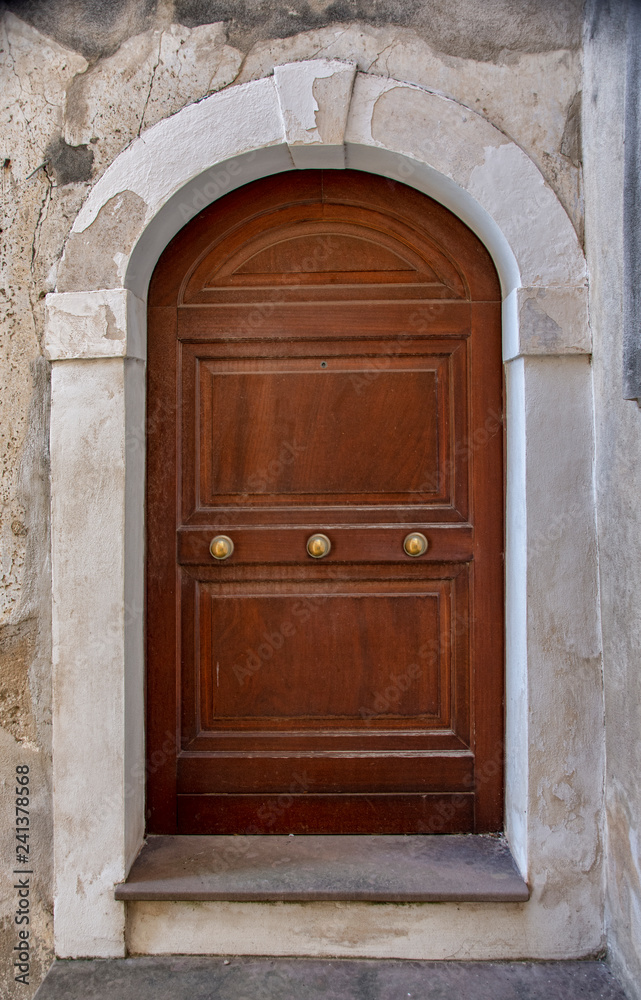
point(190, 978)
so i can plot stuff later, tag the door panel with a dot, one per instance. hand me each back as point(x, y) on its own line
point(309, 433)
point(301, 381)
point(357, 430)
point(324, 669)
point(354, 640)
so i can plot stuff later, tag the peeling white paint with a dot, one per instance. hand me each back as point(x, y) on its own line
point(299, 106)
point(551, 320)
point(161, 161)
point(526, 95)
point(314, 100)
point(108, 323)
point(435, 132)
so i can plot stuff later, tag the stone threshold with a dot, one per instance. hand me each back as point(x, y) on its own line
point(390, 869)
point(193, 978)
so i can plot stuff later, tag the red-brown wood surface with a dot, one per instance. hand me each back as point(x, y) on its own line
point(324, 356)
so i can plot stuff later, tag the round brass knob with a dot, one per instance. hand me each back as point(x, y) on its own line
point(318, 546)
point(415, 544)
point(221, 547)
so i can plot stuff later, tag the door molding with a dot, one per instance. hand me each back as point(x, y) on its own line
point(95, 338)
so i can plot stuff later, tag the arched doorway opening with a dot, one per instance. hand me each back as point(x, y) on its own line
point(325, 360)
point(96, 339)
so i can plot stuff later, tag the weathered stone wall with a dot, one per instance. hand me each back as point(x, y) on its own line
point(79, 80)
point(618, 480)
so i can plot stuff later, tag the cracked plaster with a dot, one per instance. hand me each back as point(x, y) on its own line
point(529, 97)
point(314, 100)
point(99, 324)
point(453, 143)
point(151, 76)
point(453, 26)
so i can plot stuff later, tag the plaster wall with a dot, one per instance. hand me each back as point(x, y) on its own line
point(618, 480)
point(79, 83)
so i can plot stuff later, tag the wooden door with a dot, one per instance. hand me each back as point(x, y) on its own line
point(324, 357)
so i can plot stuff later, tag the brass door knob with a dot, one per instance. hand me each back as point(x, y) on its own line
point(415, 544)
point(318, 546)
point(221, 547)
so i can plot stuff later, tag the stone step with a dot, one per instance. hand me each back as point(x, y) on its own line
point(287, 868)
point(191, 978)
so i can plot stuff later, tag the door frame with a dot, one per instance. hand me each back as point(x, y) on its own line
point(95, 338)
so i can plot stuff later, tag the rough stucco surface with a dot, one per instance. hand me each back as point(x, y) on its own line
point(478, 29)
point(78, 81)
point(618, 477)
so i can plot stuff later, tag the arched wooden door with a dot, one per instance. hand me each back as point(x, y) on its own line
point(325, 358)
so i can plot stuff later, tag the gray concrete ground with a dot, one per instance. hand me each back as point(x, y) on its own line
point(191, 978)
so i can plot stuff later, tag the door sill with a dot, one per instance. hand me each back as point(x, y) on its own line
point(391, 869)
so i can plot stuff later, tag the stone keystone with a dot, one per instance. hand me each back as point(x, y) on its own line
point(314, 100)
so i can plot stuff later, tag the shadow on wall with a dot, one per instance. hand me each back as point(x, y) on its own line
point(451, 26)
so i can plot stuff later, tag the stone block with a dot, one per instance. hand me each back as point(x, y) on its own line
point(314, 98)
point(108, 323)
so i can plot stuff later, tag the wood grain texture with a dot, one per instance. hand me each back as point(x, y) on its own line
point(325, 814)
point(325, 356)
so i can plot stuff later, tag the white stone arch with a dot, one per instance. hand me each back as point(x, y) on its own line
point(322, 113)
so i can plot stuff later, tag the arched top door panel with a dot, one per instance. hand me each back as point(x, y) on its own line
point(326, 236)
